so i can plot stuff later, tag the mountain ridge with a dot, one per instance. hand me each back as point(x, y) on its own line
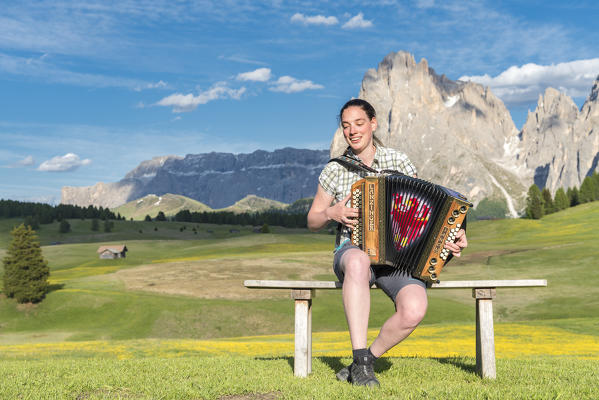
point(458, 134)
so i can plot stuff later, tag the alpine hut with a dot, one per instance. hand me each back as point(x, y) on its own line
point(111, 252)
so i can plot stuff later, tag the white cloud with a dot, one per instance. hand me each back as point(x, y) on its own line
point(188, 102)
point(68, 162)
point(524, 84)
point(288, 84)
point(258, 75)
point(158, 85)
point(27, 161)
point(241, 59)
point(314, 19)
point(356, 22)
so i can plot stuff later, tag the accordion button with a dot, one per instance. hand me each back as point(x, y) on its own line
point(458, 225)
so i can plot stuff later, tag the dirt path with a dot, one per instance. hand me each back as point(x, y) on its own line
point(223, 278)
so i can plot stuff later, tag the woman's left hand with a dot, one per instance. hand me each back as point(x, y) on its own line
point(460, 243)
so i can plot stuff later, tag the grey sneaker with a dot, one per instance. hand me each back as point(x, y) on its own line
point(343, 374)
point(362, 375)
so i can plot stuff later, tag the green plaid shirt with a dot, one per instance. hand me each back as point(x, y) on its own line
point(336, 180)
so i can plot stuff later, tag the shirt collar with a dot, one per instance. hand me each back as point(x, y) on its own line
point(377, 154)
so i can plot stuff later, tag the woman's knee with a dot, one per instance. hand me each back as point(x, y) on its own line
point(413, 315)
point(412, 309)
point(356, 265)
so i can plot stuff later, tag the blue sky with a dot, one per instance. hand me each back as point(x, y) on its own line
point(89, 89)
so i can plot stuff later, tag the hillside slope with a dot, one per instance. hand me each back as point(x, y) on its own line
point(169, 204)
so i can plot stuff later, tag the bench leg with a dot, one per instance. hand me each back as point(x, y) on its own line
point(302, 362)
point(485, 337)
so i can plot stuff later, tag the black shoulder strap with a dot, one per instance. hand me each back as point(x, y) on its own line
point(352, 163)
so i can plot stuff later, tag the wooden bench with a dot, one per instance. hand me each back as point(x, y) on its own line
point(483, 291)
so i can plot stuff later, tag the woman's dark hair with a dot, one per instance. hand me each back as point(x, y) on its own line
point(363, 104)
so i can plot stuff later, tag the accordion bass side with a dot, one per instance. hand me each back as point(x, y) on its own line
point(405, 222)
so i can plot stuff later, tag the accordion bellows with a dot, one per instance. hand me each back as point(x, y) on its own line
point(405, 222)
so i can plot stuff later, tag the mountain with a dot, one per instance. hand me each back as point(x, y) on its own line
point(252, 203)
point(559, 144)
point(455, 133)
point(169, 204)
point(215, 179)
point(458, 134)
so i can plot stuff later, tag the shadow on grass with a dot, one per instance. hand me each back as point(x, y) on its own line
point(382, 364)
point(286, 358)
point(55, 287)
point(457, 362)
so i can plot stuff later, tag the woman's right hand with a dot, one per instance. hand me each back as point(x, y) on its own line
point(341, 213)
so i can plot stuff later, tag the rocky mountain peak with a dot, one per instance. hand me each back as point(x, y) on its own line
point(560, 145)
point(556, 103)
point(148, 168)
point(451, 130)
point(591, 105)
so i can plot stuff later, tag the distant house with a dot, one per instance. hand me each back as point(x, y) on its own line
point(109, 252)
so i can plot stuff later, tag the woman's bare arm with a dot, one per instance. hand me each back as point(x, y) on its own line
point(321, 211)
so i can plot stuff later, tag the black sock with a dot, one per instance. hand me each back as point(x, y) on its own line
point(372, 356)
point(361, 356)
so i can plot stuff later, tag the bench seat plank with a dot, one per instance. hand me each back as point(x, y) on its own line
point(274, 284)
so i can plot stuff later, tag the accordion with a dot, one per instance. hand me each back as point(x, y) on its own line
point(405, 222)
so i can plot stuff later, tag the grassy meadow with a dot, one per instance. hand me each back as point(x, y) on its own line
point(173, 319)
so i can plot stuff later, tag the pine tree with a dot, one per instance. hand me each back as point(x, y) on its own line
point(160, 216)
point(534, 203)
point(587, 190)
point(148, 218)
point(108, 225)
point(95, 225)
point(26, 271)
point(595, 178)
point(265, 228)
point(573, 196)
point(64, 226)
point(561, 201)
point(548, 206)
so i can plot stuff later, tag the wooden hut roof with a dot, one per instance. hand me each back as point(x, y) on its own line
point(113, 249)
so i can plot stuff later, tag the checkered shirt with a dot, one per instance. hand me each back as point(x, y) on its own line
point(336, 180)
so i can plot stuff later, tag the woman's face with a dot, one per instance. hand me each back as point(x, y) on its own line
point(357, 128)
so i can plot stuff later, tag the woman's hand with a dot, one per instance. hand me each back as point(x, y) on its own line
point(460, 243)
point(343, 214)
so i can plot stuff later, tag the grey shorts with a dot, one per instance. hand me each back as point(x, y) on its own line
point(390, 280)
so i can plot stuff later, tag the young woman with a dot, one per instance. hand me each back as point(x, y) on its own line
point(352, 265)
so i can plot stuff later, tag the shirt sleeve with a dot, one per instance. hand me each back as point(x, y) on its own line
point(327, 179)
point(403, 164)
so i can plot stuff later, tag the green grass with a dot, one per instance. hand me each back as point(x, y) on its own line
point(272, 378)
point(86, 303)
point(130, 230)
